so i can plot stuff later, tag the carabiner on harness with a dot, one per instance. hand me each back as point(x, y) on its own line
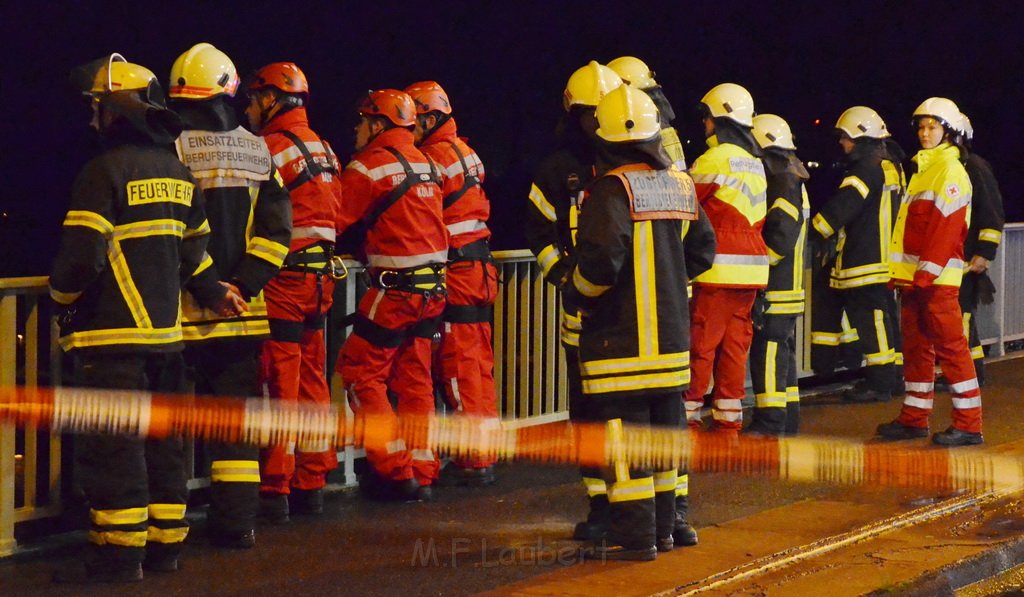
point(337, 268)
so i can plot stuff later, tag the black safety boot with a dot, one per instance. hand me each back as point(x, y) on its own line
point(860, 393)
point(618, 553)
point(99, 572)
point(595, 527)
point(306, 501)
point(453, 475)
point(274, 507)
point(161, 557)
point(665, 543)
point(683, 533)
point(895, 430)
point(957, 437)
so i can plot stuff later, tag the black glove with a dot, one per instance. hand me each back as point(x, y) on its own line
point(986, 289)
point(757, 313)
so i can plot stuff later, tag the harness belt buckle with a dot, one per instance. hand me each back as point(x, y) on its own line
point(337, 268)
point(394, 276)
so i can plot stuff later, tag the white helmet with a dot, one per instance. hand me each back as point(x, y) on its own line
point(941, 109)
point(862, 121)
point(731, 101)
point(965, 127)
point(772, 131)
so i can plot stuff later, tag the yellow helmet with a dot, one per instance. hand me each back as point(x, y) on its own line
point(772, 131)
point(731, 101)
point(627, 114)
point(111, 73)
point(589, 84)
point(941, 109)
point(203, 72)
point(861, 121)
point(633, 71)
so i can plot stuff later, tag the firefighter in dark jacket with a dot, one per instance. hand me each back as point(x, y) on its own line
point(134, 231)
point(861, 215)
point(250, 223)
point(983, 237)
point(551, 220)
point(773, 369)
point(634, 251)
point(635, 72)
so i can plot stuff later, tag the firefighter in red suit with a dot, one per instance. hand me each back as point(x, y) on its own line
point(299, 297)
point(731, 186)
point(390, 190)
point(927, 264)
point(466, 357)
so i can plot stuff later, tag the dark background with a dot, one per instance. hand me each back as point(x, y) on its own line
point(504, 65)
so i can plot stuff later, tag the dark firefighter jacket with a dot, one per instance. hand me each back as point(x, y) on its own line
point(632, 270)
point(987, 216)
point(249, 214)
point(861, 213)
point(785, 232)
point(135, 229)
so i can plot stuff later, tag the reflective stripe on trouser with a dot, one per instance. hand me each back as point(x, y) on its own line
point(721, 333)
point(634, 520)
point(582, 409)
point(933, 329)
point(465, 357)
point(167, 524)
point(772, 364)
point(370, 369)
point(969, 306)
point(229, 367)
point(872, 312)
point(121, 476)
point(294, 360)
point(833, 343)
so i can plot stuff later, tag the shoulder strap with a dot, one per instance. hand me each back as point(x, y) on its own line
point(468, 181)
point(313, 168)
point(396, 193)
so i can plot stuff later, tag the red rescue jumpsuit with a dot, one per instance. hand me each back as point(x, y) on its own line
point(299, 297)
point(927, 263)
point(731, 188)
point(406, 248)
point(467, 357)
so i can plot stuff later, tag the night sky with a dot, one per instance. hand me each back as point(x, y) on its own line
point(504, 65)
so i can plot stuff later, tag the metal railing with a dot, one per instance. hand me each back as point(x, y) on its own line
point(529, 365)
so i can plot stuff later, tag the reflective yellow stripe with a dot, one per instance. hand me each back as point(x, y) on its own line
point(664, 481)
point(977, 352)
point(122, 538)
point(175, 535)
point(628, 364)
point(793, 394)
point(204, 228)
point(645, 288)
point(89, 219)
point(617, 451)
point(64, 298)
point(167, 511)
point(116, 517)
point(825, 338)
point(647, 381)
point(235, 471)
point(821, 225)
point(149, 336)
point(123, 276)
point(542, 204)
point(548, 257)
point(784, 295)
point(990, 235)
point(149, 228)
point(787, 207)
point(683, 485)
point(631, 490)
point(883, 338)
point(773, 257)
point(857, 183)
point(267, 250)
point(595, 487)
point(206, 263)
point(586, 287)
point(771, 396)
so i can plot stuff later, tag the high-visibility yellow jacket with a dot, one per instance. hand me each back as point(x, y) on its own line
point(731, 187)
point(928, 240)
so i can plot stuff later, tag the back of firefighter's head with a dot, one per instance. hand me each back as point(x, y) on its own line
point(275, 89)
point(585, 90)
point(773, 131)
point(728, 105)
point(117, 90)
point(634, 72)
point(202, 73)
point(627, 115)
point(860, 125)
point(432, 107)
point(383, 110)
point(938, 121)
